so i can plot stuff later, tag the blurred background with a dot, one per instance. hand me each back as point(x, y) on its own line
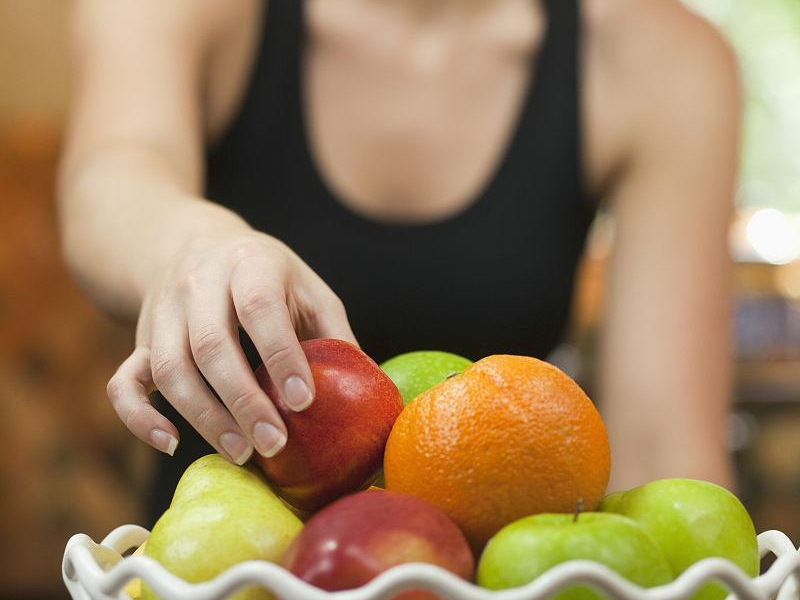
point(69, 466)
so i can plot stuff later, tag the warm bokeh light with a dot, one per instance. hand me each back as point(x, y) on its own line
point(773, 236)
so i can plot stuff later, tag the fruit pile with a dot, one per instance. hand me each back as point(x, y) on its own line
point(494, 470)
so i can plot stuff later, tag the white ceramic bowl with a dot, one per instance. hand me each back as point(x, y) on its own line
point(99, 572)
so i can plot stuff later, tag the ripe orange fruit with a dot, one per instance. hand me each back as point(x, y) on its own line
point(510, 437)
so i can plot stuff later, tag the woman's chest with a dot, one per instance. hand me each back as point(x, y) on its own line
point(408, 123)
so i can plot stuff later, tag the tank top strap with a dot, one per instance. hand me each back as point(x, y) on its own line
point(560, 65)
point(551, 131)
point(281, 43)
point(285, 24)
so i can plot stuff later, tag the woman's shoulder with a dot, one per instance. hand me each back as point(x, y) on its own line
point(656, 72)
point(652, 37)
point(186, 19)
point(654, 66)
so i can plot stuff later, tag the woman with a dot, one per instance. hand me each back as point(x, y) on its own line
point(423, 170)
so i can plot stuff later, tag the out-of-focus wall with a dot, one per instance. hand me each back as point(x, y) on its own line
point(67, 464)
point(34, 60)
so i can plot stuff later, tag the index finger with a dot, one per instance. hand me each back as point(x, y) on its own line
point(262, 311)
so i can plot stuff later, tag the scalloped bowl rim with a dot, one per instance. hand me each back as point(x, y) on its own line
point(94, 571)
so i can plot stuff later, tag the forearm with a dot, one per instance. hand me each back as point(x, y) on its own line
point(125, 213)
point(663, 436)
point(665, 370)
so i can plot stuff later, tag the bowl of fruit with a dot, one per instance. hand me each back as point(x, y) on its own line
point(434, 477)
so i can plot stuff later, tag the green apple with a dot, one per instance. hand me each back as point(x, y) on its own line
point(220, 515)
point(415, 372)
point(691, 520)
point(526, 548)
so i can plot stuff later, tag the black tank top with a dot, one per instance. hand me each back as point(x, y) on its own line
point(495, 278)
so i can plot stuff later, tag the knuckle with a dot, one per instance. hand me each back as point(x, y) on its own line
point(255, 303)
point(115, 389)
point(255, 252)
point(208, 342)
point(191, 280)
point(245, 402)
point(205, 421)
point(276, 357)
point(165, 367)
point(247, 249)
point(192, 277)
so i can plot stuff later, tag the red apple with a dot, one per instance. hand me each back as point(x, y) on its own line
point(351, 541)
point(336, 445)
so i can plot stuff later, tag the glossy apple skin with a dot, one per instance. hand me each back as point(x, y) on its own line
point(691, 520)
point(336, 445)
point(418, 371)
point(350, 542)
point(526, 548)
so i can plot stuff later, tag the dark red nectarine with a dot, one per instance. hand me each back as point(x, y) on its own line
point(336, 445)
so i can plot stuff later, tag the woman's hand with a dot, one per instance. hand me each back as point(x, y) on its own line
point(188, 331)
point(142, 241)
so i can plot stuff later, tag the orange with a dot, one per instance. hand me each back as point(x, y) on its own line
point(510, 437)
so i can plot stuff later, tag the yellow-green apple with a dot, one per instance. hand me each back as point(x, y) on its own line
point(351, 541)
point(526, 548)
point(221, 515)
point(691, 520)
point(336, 445)
point(415, 372)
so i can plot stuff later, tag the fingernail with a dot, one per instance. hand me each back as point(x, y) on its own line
point(269, 439)
point(296, 394)
point(237, 447)
point(164, 441)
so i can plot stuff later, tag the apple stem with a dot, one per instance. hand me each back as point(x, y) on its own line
point(578, 510)
point(453, 374)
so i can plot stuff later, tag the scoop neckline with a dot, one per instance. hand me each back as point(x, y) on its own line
point(332, 199)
